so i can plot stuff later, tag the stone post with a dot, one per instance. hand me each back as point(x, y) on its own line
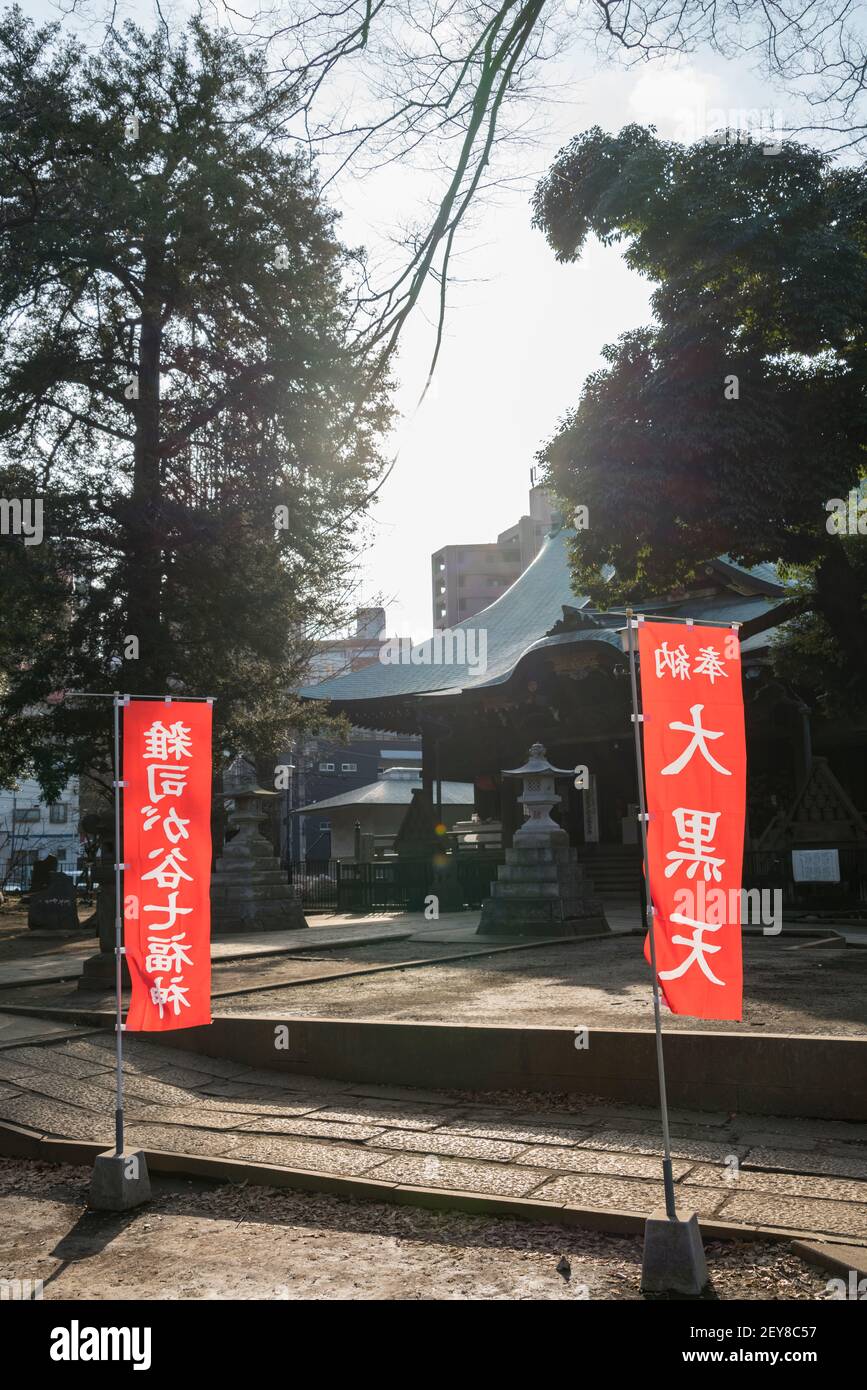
point(98, 975)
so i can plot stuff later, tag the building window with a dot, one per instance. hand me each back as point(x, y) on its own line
point(26, 815)
point(58, 813)
point(326, 767)
point(349, 767)
point(24, 859)
point(325, 825)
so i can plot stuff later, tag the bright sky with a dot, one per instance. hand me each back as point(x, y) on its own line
point(522, 334)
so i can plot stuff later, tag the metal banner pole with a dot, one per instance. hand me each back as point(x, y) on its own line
point(120, 1180)
point(667, 1175)
point(118, 927)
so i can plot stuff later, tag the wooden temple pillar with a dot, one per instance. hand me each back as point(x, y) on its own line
point(432, 736)
point(427, 762)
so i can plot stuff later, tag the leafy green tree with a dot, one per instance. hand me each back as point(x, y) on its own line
point(178, 385)
point(727, 425)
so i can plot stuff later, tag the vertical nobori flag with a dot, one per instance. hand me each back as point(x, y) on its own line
point(167, 857)
point(695, 773)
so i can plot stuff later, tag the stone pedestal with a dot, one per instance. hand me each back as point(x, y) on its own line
point(119, 1181)
point(249, 890)
point(98, 975)
point(674, 1259)
point(541, 890)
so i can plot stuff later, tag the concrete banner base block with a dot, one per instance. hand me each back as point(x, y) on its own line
point(119, 1181)
point(673, 1259)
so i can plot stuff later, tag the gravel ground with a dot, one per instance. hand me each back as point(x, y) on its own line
point(202, 1241)
point(596, 983)
point(604, 983)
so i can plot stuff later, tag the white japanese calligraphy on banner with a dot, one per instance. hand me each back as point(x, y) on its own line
point(695, 773)
point(167, 857)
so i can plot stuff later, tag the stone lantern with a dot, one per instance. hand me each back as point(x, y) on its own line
point(538, 798)
point(249, 890)
point(541, 890)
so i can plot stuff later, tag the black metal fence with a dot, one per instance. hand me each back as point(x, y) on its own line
point(772, 869)
point(398, 884)
point(389, 884)
point(316, 883)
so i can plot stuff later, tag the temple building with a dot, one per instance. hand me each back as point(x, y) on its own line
point(543, 665)
point(375, 812)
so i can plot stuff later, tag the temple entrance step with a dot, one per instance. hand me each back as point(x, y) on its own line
point(613, 869)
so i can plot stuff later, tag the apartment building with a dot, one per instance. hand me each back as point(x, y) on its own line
point(467, 578)
point(31, 829)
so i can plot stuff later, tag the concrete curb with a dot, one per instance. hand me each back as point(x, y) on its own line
point(841, 1259)
point(811, 1076)
point(43, 1039)
point(16, 1141)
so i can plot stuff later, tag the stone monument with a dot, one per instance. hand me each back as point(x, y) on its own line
point(53, 908)
point(249, 890)
point(42, 871)
point(541, 890)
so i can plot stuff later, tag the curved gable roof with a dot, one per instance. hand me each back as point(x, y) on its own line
point(521, 619)
point(512, 624)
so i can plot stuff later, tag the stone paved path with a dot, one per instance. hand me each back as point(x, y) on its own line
point(805, 1175)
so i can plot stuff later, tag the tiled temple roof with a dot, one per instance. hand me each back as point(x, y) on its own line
point(391, 792)
point(522, 619)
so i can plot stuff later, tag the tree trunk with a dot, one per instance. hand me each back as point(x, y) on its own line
point(144, 527)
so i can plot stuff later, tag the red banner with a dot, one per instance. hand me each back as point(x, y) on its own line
point(167, 858)
point(695, 770)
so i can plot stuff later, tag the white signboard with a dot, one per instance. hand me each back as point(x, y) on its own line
point(816, 865)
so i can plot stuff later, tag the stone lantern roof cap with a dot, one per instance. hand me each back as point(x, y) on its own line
point(537, 763)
